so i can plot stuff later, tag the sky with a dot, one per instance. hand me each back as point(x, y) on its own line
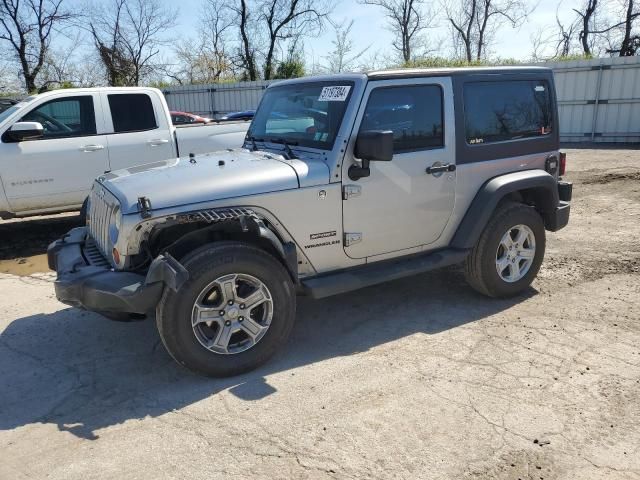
point(369, 28)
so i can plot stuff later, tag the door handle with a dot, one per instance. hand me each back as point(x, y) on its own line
point(91, 148)
point(449, 167)
point(157, 142)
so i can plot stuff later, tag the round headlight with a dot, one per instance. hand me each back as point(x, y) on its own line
point(114, 227)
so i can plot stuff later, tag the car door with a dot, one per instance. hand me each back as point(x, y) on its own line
point(402, 205)
point(138, 133)
point(56, 170)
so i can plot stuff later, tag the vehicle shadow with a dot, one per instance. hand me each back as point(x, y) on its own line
point(83, 373)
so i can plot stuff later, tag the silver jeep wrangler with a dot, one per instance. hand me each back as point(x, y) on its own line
point(343, 181)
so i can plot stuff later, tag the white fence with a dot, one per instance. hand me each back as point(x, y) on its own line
point(599, 99)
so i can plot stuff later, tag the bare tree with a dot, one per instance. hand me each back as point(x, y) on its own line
point(587, 15)
point(342, 57)
point(408, 19)
point(267, 27)
point(630, 44)
point(206, 59)
point(69, 67)
point(7, 79)
point(248, 39)
point(288, 19)
point(555, 41)
point(28, 26)
point(292, 65)
point(564, 38)
point(623, 39)
point(599, 27)
point(474, 22)
point(106, 30)
point(128, 35)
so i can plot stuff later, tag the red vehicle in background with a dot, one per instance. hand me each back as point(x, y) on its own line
point(184, 118)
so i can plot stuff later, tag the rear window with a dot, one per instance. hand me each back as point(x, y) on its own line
point(503, 111)
point(132, 112)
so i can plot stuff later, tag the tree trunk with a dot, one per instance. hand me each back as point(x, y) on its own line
point(626, 49)
point(249, 61)
point(483, 28)
point(467, 38)
point(586, 27)
point(268, 64)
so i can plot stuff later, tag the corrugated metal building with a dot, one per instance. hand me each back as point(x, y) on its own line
point(599, 99)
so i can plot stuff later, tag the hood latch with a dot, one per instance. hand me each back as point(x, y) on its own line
point(144, 205)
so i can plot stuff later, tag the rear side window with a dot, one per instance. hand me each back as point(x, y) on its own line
point(413, 113)
point(132, 112)
point(503, 111)
point(65, 117)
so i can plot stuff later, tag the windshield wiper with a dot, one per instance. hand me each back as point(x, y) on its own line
point(253, 140)
point(287, 148)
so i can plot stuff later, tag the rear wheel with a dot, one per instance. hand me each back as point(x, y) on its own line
point(509, 252)
point(235, 311)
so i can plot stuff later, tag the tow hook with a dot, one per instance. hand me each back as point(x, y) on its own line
point(167, 270)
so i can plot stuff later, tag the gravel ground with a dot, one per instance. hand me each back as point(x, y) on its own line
point(418, 378)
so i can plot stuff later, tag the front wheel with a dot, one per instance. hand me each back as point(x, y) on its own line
point(508, 255)
point(235, 311)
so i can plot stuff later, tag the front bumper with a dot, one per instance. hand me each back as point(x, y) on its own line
point(101, 289)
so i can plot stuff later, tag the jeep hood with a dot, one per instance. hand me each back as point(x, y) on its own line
point(208, 177)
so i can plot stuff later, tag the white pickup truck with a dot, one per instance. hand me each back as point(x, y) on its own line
point(53, 145)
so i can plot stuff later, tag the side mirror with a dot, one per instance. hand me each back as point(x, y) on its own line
point(371, 146)
point(21, 131)
point(375, 145)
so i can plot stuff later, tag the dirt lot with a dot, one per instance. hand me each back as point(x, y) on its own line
point(419, 378)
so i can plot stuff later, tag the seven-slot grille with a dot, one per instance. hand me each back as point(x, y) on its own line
point(101, 208)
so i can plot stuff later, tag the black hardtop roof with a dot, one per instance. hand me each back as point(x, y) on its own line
point(457, 71)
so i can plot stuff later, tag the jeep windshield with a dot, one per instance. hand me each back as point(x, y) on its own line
point(305, 114)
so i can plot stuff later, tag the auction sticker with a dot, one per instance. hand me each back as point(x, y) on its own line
point(334, 94)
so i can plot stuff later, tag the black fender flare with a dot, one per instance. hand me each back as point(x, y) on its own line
point(538, 184)
point(241, 220)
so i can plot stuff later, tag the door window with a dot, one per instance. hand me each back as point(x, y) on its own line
point(413, 113)
point(66, 117)
point(132, 112)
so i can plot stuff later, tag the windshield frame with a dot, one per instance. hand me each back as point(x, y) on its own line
point(327, 145)
point(15, 108)
point(8, 112)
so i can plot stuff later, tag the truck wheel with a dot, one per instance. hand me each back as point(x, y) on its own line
point(235, 311)
point(509, 252)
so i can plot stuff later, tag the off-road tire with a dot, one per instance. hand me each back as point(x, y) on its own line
point(480, 266)
point(174, 312)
